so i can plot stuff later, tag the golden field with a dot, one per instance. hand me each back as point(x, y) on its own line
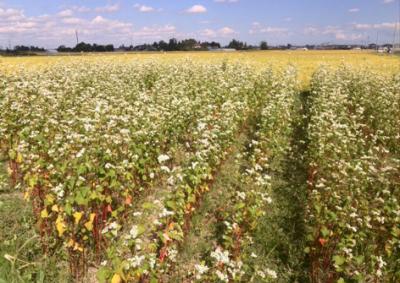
point(305, 61)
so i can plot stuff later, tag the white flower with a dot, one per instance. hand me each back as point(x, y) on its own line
point(201, 126)
point(136, 261)
point(165, 169)
point(222, 276)
point(201, 269)
point(134, 232)
point(156, 222)
point(271, 273)
point(108, 166)
point(162, 158)
point(166, 213)
point(125, 131)
point(241, 195)
point(80, 153)
point(261, 274)
point(220, 256)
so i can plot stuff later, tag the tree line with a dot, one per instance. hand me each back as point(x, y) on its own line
point(172, 45)
point(22, 50)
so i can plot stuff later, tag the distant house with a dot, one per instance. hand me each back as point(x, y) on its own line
point(302, 48)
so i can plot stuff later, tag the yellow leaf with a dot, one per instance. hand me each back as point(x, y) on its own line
point(44, 213)
point(70, 243)
point(60, 225)
point(77, 216)
point(26, 196)
point(50, 199)
point(89, 224)
point(116, 278)
point(19, 158)
point(92, 216)
point(54, 208)
point(77, 247)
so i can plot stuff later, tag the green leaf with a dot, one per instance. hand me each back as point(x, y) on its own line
point(339, 260)
point(12, 154)
point(240, 205)
point(68, 208)
point(325, 231)
point(103, 274)
point(171, 204)
point(147, 205)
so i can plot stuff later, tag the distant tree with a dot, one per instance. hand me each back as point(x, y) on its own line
point(162, 45)
point(172, 44)
point(238, 45)
point(83, 47)
point(63, 48)
point(109, 48)
point(263, 45)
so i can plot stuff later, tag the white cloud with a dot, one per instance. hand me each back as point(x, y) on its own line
point(81, 9)
point(258, 28)
point(145, 9)
point(72, 21)
point(108, 9)
point(376, 26)
point(388, 1)
point(196, 9)
point(66, 13)
point(11, 15)
point(311, 31)
point(363, 26)
point(225, 31)
point(336, 32)
point(156, 32)
point(222, 32)
point(208, 33)
point(354, 10)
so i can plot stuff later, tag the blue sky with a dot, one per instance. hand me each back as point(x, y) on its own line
point(52, 23)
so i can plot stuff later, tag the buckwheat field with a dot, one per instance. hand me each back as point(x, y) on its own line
point(249, 167)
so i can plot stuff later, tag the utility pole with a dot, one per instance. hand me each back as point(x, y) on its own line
point(398, 28)
point(77, 38)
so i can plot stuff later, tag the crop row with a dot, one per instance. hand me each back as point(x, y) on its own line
point(235, 258)
point(353, 178)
